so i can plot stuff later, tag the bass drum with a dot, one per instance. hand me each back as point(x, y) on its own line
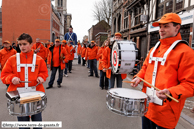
point(123, 56)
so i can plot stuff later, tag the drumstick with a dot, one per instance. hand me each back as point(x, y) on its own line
point(158, 89)
point(128, 82)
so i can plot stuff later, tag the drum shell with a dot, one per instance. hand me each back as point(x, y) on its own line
point(129, 107)
point(126, 56)
point(17, 109)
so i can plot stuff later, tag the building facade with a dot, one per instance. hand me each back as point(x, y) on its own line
point(130, 18)
point(101, 26)
point(39, 18)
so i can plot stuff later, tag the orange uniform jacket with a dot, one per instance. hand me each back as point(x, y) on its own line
point(54, 56)
point(177, 75)
point(42, 52)
point(79, 49)
point(106, 63)
point(99, 56)
point(70, 52)
point(10, 71)
point(91, 52)
point(5, 54)
point(83, 52)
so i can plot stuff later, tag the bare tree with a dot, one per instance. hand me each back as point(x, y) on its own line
point(102, 10)
point(97, 12)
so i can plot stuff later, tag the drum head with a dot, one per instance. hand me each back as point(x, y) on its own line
point(27, 94)
point(127, 93)
point(115, 56)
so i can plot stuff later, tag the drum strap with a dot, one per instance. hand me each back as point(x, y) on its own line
point(19, 65)
point(150, 91)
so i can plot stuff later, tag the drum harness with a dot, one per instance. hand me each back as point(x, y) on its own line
point(19, 65)
point(151, 92)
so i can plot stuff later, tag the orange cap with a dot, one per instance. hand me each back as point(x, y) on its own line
point(57, 40)
point(167, 18)
point(118, 34)
point(51, 42)
point(64, 41)
point(6, 41)
point(47, 42)
point(92, 41)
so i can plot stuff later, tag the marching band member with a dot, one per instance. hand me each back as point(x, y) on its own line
point(170, 67)
point(83, 52)
point(103, 79)
point(71, 36)
point(56, 60)
point(64, 43)
point(70, 51)
point(91, 54)
point(5, 53)
point(79, 52)
point(39, 49)
point(106, 65)
point(9, 74)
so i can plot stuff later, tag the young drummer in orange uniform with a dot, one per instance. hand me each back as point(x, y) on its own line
point(174, 77)
point(9, 74)
point(56, 60)
point(106, 65)
point(40, 49)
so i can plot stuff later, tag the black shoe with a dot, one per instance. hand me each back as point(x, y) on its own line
point(97, 76)
point(90, 75)
point(59, 85)
point(106, 88)
point(49, 87)
point(101, 88)
point(69, 71)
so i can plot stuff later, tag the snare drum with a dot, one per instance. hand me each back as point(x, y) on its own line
point(123, 56)
point(127, 102)
point(28, 108)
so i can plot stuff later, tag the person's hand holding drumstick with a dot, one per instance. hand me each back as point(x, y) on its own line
point(160, 94)
point(136, 82)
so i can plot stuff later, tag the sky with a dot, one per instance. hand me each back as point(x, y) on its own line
point(82, 17)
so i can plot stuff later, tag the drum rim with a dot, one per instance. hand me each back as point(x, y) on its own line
point(112, 94)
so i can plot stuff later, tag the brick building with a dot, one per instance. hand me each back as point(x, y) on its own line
point(39, 18)
point(101, 26)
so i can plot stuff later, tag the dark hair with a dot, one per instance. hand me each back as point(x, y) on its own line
point(176, 24)
point(26, 37)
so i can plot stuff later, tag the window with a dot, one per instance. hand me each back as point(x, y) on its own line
point(179, 5)
point(169, 6)
point(126, 23)
point(138, 12)
point(160, 8)
point(61, 3)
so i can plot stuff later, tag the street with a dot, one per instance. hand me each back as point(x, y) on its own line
point(80, 104)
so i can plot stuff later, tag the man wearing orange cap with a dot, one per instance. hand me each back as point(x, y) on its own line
point(5, 53)
point(56, 61)
point(169, 66)
point(39, 49)
point(79, 52)
point(70, 51)
point(91, 55)
point(106, 65)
